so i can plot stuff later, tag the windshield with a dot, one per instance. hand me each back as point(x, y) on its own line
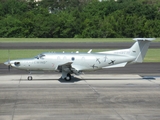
point(41, 56)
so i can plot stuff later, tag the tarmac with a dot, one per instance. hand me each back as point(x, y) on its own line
point(85, 97)
point(71, 45)
point(152, 69)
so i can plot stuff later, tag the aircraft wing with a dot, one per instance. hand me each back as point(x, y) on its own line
point(68, 67)
point(117, 65)
point(65, 66)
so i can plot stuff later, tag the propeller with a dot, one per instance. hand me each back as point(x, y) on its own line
point(8, 62)
point(9, 66)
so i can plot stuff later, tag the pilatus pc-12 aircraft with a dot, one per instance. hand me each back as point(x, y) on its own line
point(77, 63)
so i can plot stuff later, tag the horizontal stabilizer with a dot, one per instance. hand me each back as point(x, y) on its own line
point(144, 39)
point(117, 65)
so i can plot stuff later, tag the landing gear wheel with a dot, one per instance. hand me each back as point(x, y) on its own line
point(68, 78)
point(30, 78)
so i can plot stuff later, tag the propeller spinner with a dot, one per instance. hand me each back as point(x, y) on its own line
point(8, 64)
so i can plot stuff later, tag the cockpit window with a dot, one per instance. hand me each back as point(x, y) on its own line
point(36, 57)
point(41, 56)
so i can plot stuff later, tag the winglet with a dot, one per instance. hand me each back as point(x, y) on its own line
point(144, 39)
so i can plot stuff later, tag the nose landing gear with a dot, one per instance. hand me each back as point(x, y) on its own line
point(30, 78)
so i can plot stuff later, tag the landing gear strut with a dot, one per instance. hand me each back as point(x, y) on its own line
point(30, 77)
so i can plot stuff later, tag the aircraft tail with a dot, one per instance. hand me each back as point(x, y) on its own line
point(139, 48)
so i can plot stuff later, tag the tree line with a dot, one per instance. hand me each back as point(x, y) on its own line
point(79, 18)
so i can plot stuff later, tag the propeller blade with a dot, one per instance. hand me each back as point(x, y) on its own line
point(9, 68)
point(7, 63)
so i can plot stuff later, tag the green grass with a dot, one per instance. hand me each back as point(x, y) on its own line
point(152, 54)
point(69, 40)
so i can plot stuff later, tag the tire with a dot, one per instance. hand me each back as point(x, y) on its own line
point(68, 78)
point(30, 78)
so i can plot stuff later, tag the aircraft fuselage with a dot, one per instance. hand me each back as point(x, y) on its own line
point(82, 61)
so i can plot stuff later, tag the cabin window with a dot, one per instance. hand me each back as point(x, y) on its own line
point(41, 56)
point(72, 58)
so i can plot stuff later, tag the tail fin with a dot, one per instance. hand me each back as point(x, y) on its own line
point(139, 48)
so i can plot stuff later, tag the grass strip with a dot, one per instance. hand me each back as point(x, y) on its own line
point(152, 54)
point(69, 40)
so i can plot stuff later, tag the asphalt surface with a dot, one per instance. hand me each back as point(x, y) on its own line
point(97, 45)
point(140, 69)
point(88, 97)
point(129, 93)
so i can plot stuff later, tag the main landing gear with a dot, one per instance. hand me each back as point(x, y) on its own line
point(68, 77)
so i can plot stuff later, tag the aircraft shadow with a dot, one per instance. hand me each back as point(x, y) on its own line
point(73, 80)
point(148, 78)
point(76, 79)
point(142, 78)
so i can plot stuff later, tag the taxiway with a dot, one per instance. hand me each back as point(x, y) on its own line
point(86, 97)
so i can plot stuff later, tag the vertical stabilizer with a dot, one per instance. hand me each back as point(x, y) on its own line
point(139, 49)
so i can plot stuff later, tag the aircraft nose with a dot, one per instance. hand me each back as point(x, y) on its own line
point(12, 63)
point(7, 63)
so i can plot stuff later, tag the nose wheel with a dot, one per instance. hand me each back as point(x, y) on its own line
point(30, 78)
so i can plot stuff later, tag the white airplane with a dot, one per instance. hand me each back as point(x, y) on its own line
point(77, 63)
